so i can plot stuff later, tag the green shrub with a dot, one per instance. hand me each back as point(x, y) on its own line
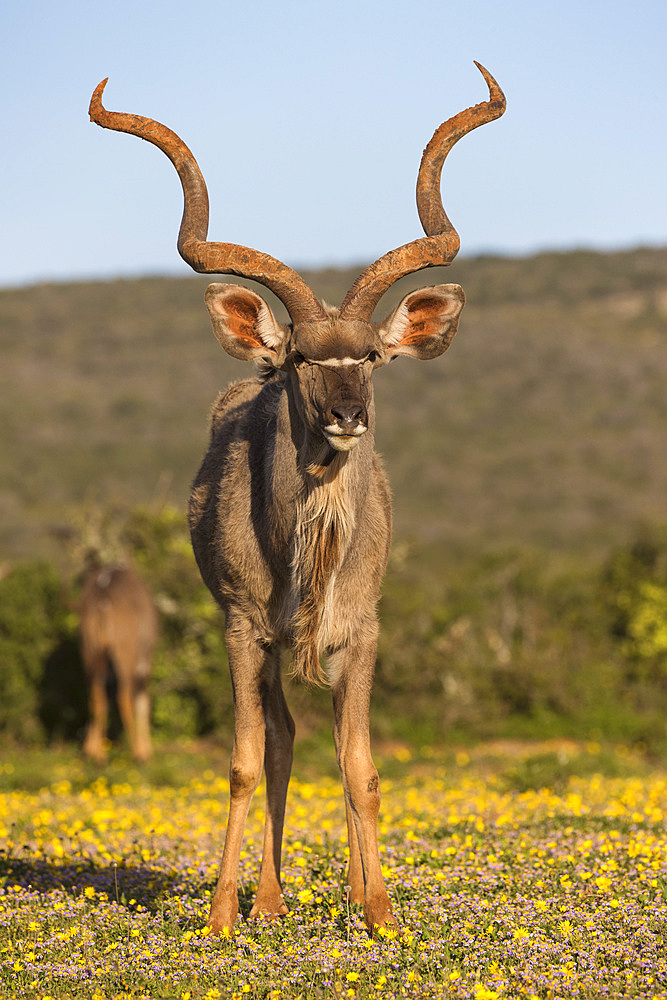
point(635, 583)
point(34, 628)
point(503, 644)
point(499, 644)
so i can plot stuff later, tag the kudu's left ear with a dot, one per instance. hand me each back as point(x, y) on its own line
point(424, 324)
point(244, 324)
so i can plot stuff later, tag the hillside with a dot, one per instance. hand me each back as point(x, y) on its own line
point(544, 424)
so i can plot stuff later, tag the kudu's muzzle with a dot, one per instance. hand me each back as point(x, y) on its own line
point(345, 413)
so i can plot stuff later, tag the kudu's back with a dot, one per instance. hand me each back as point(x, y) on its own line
point(118, 615)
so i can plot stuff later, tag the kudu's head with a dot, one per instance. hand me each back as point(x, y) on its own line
point(327, 354)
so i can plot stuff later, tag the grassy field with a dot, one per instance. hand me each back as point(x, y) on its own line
point(516, 870)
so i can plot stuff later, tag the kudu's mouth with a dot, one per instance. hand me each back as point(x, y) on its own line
point(344, 438)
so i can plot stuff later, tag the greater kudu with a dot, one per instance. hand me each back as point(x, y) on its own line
point(290, 512)
point(118, 626)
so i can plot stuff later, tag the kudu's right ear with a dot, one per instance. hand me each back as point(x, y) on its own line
point(244, 324)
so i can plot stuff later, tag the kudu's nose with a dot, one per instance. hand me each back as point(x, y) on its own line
point(347, 413)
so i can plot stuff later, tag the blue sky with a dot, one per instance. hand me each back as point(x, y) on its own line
point(308, 120)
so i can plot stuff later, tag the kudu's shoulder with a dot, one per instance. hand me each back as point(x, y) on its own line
point(240, 401)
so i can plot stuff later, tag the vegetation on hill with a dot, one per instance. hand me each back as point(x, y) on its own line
point(543, 424)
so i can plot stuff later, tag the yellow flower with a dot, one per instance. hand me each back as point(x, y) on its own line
point(482, 993)
point(305, 896)
point(352, 977)
point(89, 892)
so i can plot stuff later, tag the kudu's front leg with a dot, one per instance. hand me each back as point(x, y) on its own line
point(353, 670)
point(260, 718)
point(278, 754)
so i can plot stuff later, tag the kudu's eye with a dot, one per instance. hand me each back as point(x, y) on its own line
point(372, 356)
point(297, 358)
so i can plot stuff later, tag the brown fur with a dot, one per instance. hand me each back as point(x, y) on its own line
point(118, 626)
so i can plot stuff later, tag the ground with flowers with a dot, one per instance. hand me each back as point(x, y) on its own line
point(516, 871)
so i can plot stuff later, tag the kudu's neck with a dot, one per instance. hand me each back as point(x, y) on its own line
point(318, 464)
point(329, 493)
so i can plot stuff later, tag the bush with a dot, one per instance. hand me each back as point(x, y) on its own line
point(502, 645)
point(34, 626)
point(635, 583)
point(497, 645)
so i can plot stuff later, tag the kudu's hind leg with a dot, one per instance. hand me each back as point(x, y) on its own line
point(134, 708)
point(353, 670)
point(142, 714)
point(133, 705)
point(96, 670)
point(250, 664)
point(126, 707)
point(132, 669)
point(278, 766)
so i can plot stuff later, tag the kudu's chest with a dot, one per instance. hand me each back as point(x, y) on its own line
point(318, 609)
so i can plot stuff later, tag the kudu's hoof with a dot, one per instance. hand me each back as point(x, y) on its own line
point(222, 918)
point(379, 914)
point(269, 909)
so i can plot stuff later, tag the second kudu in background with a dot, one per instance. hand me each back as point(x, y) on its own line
point(119, 628)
